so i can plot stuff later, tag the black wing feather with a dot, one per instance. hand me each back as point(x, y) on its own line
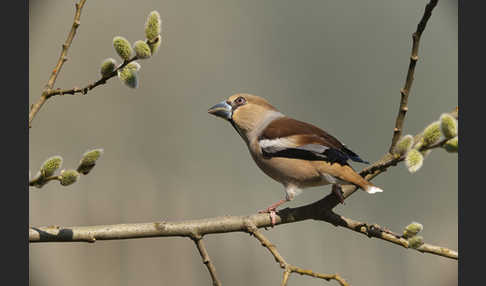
point(315, 144)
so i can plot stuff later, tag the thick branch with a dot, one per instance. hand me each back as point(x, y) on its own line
point(288, 268)
point(318, 211)
point(405, 91)
point(62, 58)
point(206, 260)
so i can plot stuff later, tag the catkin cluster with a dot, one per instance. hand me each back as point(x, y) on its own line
point(128, 74)
point(416, 149)
point(67, 177)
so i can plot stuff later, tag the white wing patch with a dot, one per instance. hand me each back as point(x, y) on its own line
point(279, 144)
point(314, 148)
point(275, 145)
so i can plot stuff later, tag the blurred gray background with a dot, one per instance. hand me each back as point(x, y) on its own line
point(337, 64)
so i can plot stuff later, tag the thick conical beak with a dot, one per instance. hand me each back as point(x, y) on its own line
point(222, 109)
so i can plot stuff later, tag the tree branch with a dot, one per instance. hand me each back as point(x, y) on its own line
point(405, 91)
point(384, 234)
point(41, 180)
point(90, 86)
point(318, 211)
point(62, 58)
point(388, 160)
point(206, 260)
point(288, 268)
point(224, 224)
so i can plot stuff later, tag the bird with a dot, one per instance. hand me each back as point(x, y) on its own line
point(294, 153)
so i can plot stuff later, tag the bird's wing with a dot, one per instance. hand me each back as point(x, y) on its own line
point(287, 137)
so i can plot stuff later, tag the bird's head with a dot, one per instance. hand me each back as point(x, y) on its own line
point(245, 111)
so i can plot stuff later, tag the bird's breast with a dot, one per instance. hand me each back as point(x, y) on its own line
point(287, 170)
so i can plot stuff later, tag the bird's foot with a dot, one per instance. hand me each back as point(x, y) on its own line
point(337, 190)
point(272, 212)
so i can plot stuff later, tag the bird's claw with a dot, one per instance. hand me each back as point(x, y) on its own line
point(273, 215)
point(336, 189)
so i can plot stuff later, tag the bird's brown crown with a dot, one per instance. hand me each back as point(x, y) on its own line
point(250, 99)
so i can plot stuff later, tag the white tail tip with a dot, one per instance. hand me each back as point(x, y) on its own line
point(373, 189)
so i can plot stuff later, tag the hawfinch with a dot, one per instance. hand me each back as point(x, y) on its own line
point(292, 152)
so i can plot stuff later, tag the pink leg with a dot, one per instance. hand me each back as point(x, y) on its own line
point(274, 206)
point(271, 209)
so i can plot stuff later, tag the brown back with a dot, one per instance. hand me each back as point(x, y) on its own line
point(285, 127)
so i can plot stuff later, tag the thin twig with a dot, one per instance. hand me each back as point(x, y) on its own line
point(288, 268)
point(382, 165)
point(405, 91)
point(84, 90)
point(374, 230)
point(285, 277)
point(206, 260)
point(395, 159)
point(385, 162)
point(42, 181)
point(102, 80)
point(62, 58)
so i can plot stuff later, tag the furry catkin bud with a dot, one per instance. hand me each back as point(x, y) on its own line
point(418, 145)
point(448, 125)
point(412, 229)
point(142, 49)
point(133, 66)
point(68, 177)
point(414, 160)
point(107, 67)
point(431, 134)
point(152, 26)
point(416, 241)
point(122, 47)
point(89, 161)
point(50, 166)
point(155, 45)
point(128, 76)
point(404, 145)
point(452, 145)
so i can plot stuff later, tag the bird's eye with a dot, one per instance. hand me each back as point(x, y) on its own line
point(240, 100)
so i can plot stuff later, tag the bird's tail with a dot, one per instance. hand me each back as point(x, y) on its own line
point(353, 156)
point(356, 179)
point(347, 174)
point(371, 189)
